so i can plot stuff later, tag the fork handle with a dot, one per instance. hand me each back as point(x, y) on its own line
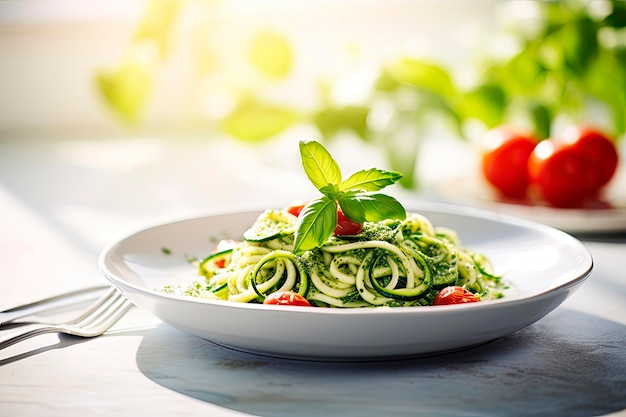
point(48, 304)
point(24, 335)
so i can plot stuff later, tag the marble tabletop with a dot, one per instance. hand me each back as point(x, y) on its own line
point(64, 200)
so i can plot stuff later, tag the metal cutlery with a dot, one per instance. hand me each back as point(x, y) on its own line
point(52, 303)
point(94, 321)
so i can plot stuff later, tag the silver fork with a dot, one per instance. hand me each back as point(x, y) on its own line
point(94, 321)
point(61, 301)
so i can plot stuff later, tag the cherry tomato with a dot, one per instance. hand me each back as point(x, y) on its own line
point(597, 148)
point(286, 298)
point(454, 295)
point(561, 175)
point(504, 160)
point(295, 208)
point(345, 226)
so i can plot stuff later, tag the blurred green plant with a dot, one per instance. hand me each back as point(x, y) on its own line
point(573, 60)
point(255, 120)
point(127, 87)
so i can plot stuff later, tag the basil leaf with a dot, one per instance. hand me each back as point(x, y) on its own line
point(319, 165)
point(316, 223)
point(331, 191)
point(356, 197)
point(373, 179)
point(371, 207)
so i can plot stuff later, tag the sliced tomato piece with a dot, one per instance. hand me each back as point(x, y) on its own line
point(454, 294)
point(345, 226)
point(295, 208)
point(286, 298)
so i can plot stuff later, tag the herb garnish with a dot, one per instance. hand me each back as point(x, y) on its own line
point(356, 196)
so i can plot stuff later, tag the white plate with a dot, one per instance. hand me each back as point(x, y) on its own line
point(607, 216)
point(543, 264)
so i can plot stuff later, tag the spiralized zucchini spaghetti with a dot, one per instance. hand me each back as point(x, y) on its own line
point(391, 263)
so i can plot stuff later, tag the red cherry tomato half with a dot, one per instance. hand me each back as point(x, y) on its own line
point(561, 175)
point(286, 298)
point(597, 148)
point(345, 226)
point(296, 208)
point(504, 160)
point(454, 295)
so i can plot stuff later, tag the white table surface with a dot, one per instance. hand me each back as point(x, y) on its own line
point(63, 201)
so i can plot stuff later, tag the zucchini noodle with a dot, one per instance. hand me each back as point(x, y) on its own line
point(391, 263)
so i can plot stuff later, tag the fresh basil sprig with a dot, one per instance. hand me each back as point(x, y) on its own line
point(357, 196)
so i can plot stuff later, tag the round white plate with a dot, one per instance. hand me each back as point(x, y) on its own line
point(543, 265)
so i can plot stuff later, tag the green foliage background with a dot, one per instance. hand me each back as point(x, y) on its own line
point(573, 61)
